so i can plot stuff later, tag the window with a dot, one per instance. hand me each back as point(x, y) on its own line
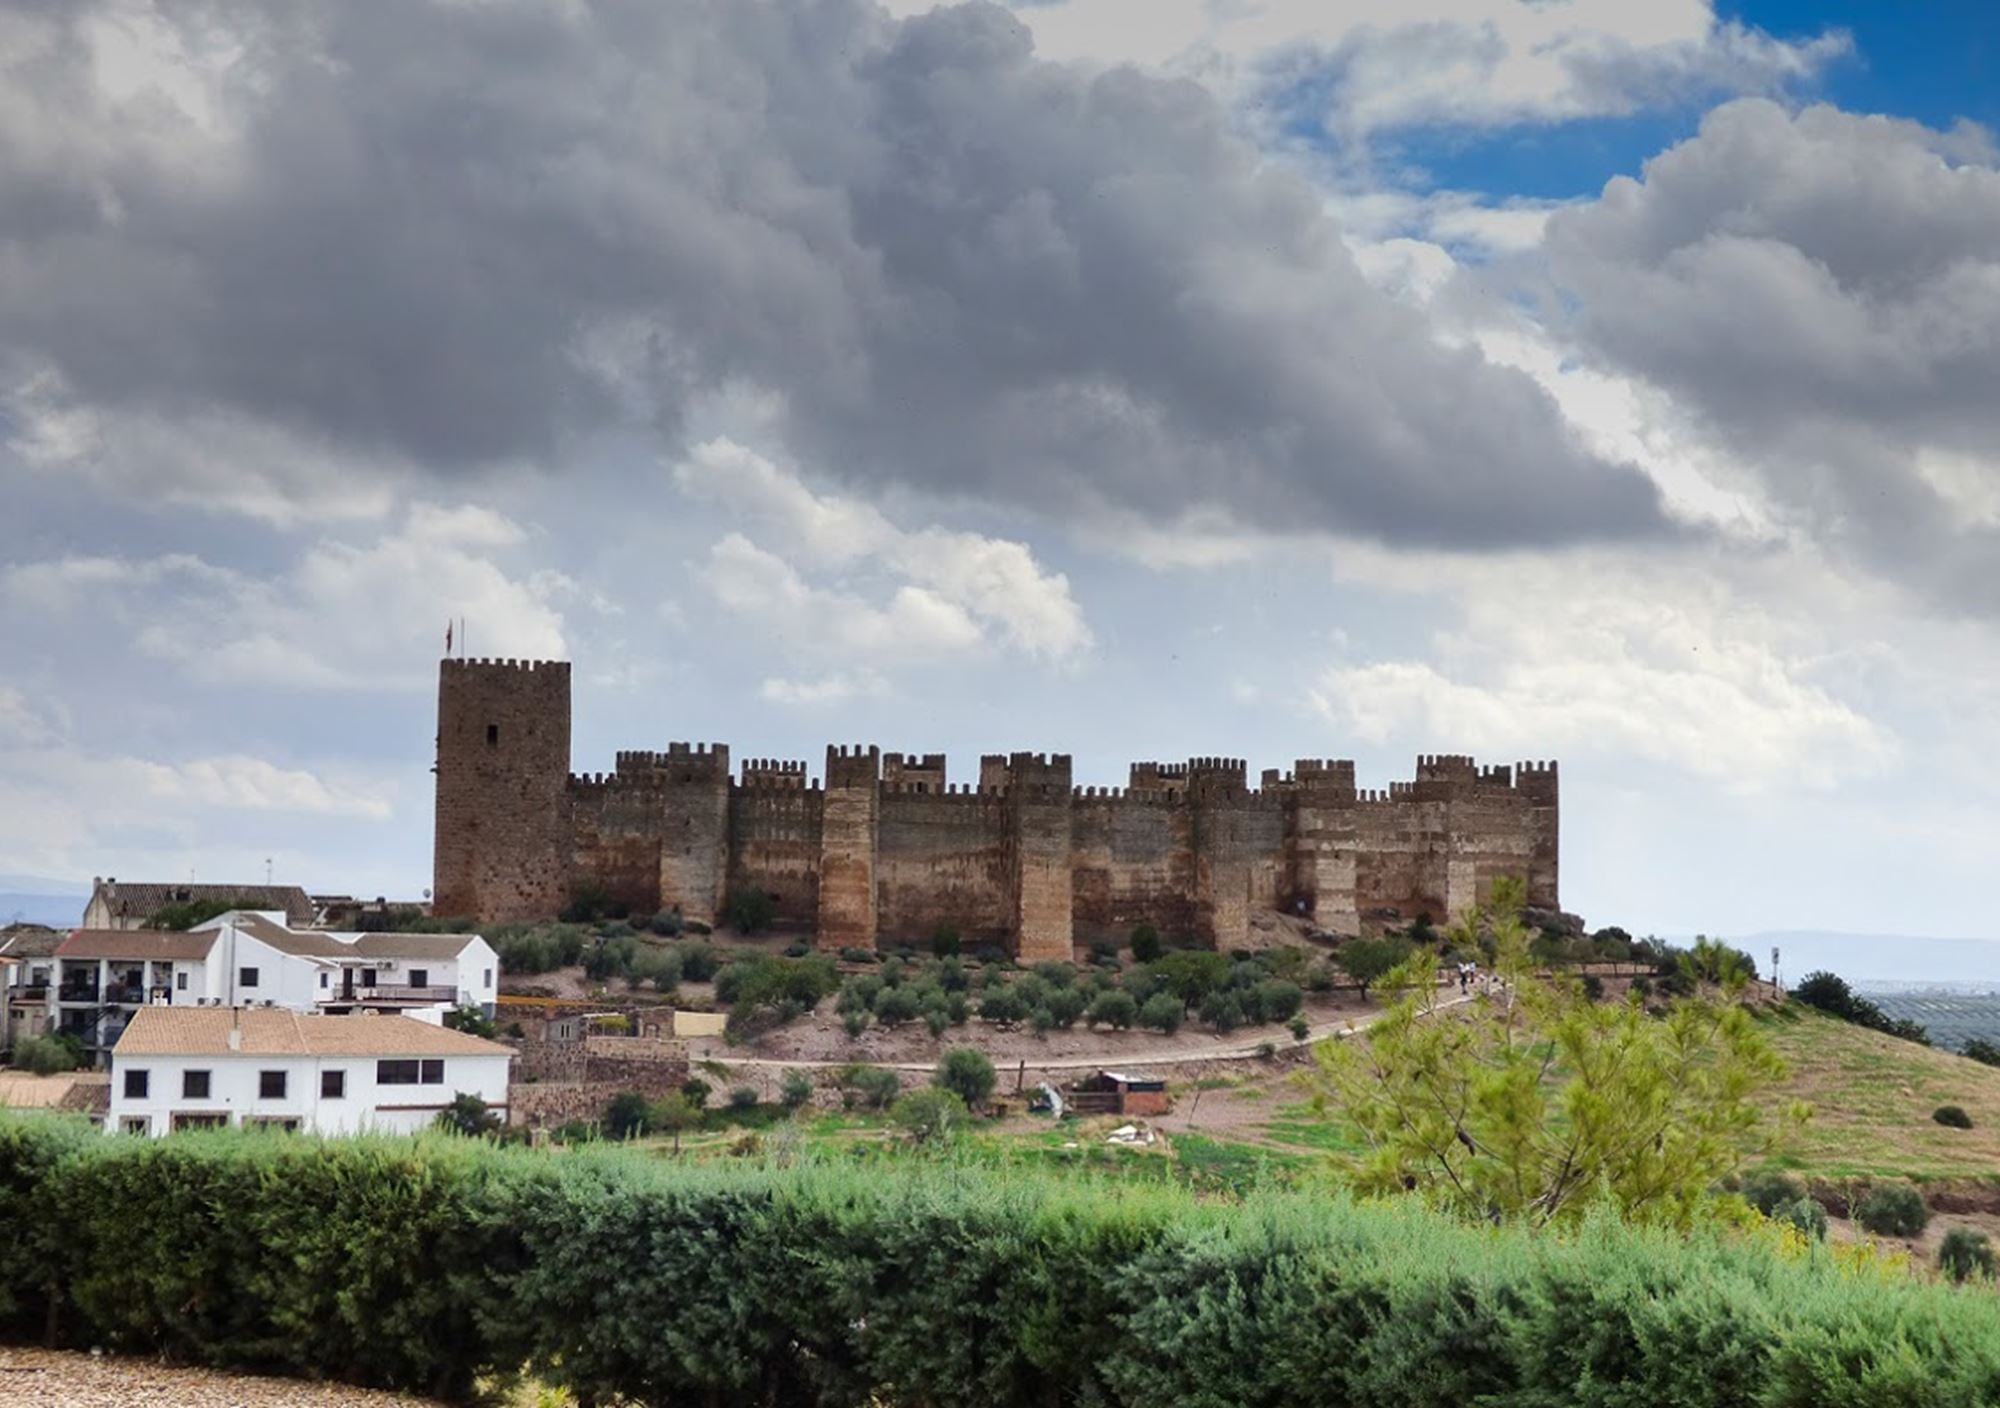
point(136, 1085)
point(433, 1073)
point(246, 977)
point(322, 978)
point(492, 734)
point(136, 1124)
point(270, 1085)
point(333, 1085)
point(409, 1072)
point(487, 981)
point(194, 1085)
point(180, 982)
point(420, 977)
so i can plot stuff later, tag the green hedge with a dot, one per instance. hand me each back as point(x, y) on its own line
point(426, 1263)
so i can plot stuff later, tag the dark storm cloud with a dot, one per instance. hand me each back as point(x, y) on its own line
point(459, 234)
point(1823, 290)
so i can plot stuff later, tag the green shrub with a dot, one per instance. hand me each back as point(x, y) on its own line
point(699, 962)
point(430, 1264)
point(871, 1087)
point(1965, 1254)
point(1223, 1011)
point(1002, 1005)
point(1162, 1012)
point(1146, 945)
point(697, 1091)
point(1768, 1192)
point(854, 1023)
point(1300, 1028)
point(666, 923)
point(467, 1115)
point(895, 1006)
point(968, 1073)
point(46, 1055)
point(749, 910)
point(472, 1021)
point(628, 1116)
point(929, 1114)
point(1829, 993)
point(1805, 1214)
point(1952, 1116)
point(1114, 1009)
point(852, 954)
point(1893, 1210)
point(743, 1099)
point(1979, 1049)
point(945, 942)
point(795, 1090)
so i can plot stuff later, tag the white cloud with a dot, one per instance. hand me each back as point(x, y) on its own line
point(343, 615)
point(1388, 63)
point(1606, 661)
point(953, 590)
point(827, 689)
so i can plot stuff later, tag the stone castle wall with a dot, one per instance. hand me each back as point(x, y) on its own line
point(885, 847)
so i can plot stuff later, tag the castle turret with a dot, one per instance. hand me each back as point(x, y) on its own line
point(502, 847)
point(1039, 793)
point(850, 816)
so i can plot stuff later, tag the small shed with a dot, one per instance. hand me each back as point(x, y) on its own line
point(1117, 1093)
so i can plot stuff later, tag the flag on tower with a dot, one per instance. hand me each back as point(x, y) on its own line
point(447, 637)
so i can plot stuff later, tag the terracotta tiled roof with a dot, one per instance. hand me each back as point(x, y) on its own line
point(21, 1091)
point(273, 1031)
point(130, 945)
point(30, 942)
point(412, 945)
point(142, 901)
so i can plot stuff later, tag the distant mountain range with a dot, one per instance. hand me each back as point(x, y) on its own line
point(1884, 962)
point(36, 899)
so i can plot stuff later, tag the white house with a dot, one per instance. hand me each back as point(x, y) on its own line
point(193, 1067)
point(102, 977)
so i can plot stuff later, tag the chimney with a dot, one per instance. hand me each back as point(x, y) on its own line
point(235, 1029)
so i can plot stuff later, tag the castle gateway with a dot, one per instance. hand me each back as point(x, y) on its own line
point(883, 845)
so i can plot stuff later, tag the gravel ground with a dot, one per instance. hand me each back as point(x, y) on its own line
point(38, 1378)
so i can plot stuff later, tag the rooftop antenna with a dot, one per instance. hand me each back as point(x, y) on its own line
point(267, 870)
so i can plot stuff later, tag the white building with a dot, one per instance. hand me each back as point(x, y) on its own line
point(101, 977)
point(193, 1067)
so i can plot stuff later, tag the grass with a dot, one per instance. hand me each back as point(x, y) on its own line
point(1872, 1097)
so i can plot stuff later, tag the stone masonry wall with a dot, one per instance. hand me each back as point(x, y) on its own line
point(885, 847)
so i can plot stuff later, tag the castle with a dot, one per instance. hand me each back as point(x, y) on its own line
point(882, 845)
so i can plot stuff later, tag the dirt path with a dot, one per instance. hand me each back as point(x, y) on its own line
point(40, 1378)
point(710, 1050)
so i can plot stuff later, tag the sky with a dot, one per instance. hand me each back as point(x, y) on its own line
point(1131, 378)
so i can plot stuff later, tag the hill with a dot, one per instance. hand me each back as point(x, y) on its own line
point(1872, 1097)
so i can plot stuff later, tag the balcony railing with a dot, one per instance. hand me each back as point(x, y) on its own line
point(77, 992)
point(125, 992)
point(29, 992)
point(389, 992)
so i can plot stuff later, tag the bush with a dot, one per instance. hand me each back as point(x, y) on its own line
point(854, 1023)
point(929, 1114)
point(1893, 1210)
point(467, 1115)
point(1369, 960)
point(1952, 1116)
point(46, 1055)
point(743, 1099)
point(1002, 1005)
point(697, 1091)
point(871, 1087)
point(1979, 1049)
point(968, 1074)
point(1162, 1013)
point(666, 923)
point(427, 1265)
point(589, 902)
point(749, 910)
point(1300, 1028)
point(944, 943)
point(628, 1116)
point(1146, 945)
point(1593, 987)
point(1829, 993)
point(851, 954)
point(795, 1091)
point(1768, 1192)
point(1965, 1254)
point(895, 1006)
point(699, 962)
point(1274, 1000)
point(1114, 1009)
point(472, 1021)
point(1806, 1215)
point(1223, 1011)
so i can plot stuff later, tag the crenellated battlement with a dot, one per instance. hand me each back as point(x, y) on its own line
point(853, 765)
point(913, 772)
point(774, 773)
point(558, 669)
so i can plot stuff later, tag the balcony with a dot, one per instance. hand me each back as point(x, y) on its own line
point(387, 994)
point(130, 994)
point(78, 992)
point(29, 992)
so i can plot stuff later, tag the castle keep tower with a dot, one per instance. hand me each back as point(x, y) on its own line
point(503, 831)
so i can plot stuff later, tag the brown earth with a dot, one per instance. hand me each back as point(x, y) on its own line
point(40, 1378)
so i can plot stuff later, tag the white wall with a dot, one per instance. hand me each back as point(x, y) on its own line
point(234, 1083)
